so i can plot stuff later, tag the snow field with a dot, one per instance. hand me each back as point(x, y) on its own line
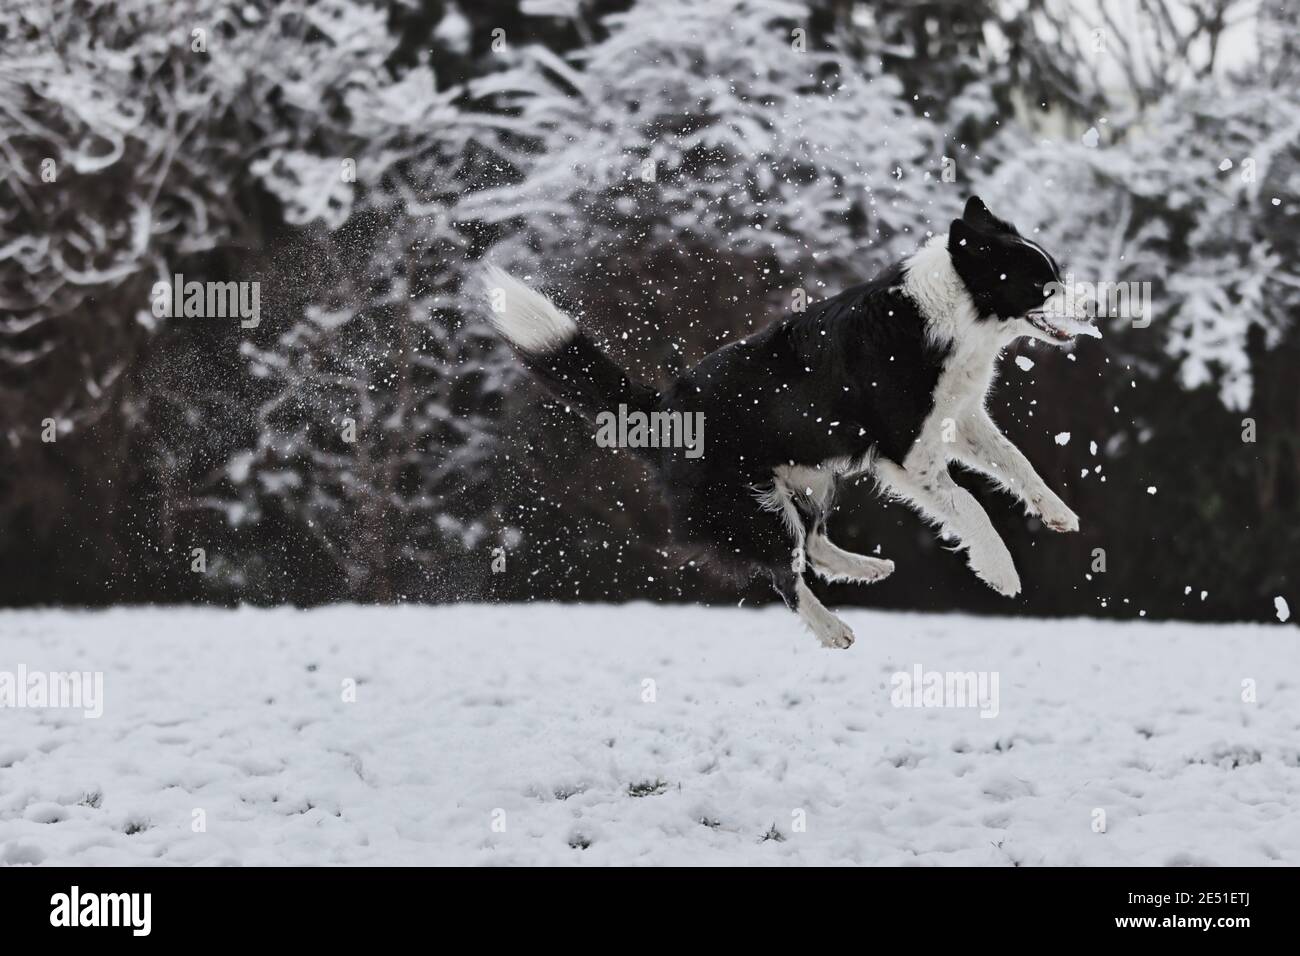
point(507, 735)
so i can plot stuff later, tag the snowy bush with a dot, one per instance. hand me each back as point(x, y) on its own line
point(715, 126)
point(1183, 202)
point(678, 173)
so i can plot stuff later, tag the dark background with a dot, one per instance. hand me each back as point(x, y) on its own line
point(776, 169)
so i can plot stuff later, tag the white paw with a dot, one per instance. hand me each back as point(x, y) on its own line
point(1054, 513)
point(876, 569)
point(858, 568)
point(837, 635)
point(993, 566)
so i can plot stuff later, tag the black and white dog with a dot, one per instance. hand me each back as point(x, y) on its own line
point(887, 378)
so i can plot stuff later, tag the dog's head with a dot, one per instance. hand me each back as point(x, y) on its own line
point(1009, 278)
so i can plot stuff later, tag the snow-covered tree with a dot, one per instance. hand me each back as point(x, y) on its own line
point(678, 173)
point(131, 130)
point(1181, 195)
point(375, 432)
point(721, 126)
point(221, 140)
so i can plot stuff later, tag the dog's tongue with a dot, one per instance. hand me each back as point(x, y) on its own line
point(1075, 327)
point(1075, 323)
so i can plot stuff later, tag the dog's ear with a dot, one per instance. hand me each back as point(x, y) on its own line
point(965, 241)
point(977, 214)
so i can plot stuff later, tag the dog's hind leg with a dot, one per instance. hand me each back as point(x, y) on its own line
point(798, 514)
point(833, 563)
point(766, 535)
point(826, 627)
point(803, 499)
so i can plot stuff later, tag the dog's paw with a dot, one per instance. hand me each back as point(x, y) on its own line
point(831, 631)
point(878, 570)
point(865, 570)
point(856, 568)
point(1054, 513)
point(838, 636)
point(1064, 523)
point(995, 568)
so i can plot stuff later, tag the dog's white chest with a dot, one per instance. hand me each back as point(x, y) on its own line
point(959, 395)
point(966, 378)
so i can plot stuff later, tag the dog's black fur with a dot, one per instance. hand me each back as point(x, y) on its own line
point(852, 379)
point(860, 360)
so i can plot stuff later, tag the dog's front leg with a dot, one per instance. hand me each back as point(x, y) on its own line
point(833, 563)
point(982, 446)
point(959, 516)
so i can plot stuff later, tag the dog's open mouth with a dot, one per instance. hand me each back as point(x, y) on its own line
point(1061, 328)
point(1039, 321)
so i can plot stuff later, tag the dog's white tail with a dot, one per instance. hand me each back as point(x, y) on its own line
point(524, 317)
point(556, 350)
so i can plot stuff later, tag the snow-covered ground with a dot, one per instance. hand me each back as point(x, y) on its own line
point(530, 735)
